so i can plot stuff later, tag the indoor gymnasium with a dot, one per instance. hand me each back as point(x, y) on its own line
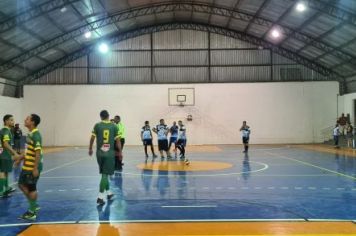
point(160, 117)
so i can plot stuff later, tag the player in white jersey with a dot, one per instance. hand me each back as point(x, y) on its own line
point(336, 134)
point(245, 130)
point(146, 137)
point(182, 141)
point(162, 131)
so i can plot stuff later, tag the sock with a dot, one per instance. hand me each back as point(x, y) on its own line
point(104, 179)
point(108, 192)
point(2, 185)
point(101, 195)
point(104, 183)
point(107, 185)
point(6, 186)
point(33, 205)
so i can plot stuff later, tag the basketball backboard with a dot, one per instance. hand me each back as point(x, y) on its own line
point(181, 97)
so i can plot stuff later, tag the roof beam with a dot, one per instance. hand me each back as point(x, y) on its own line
point(258, 12)
point(236, 6)
point(320, 37)
point(169, 7)
point(191, 26)
point(33, 13)
point(279, 20)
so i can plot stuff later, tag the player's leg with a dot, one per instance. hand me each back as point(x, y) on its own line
point(161, 148)
point(145, 147)
point(28, 185)
point(2, 182)
point(108, 170)
point(152, 148)
point(166, 149)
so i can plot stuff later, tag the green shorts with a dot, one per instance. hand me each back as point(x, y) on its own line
point(6, 165)
point(106, 164)
point(26, 178)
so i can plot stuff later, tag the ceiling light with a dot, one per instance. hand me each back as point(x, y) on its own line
point(87, 34)
point(276, 33)
point(103, 48)
point(63, 9)
point(300, 7)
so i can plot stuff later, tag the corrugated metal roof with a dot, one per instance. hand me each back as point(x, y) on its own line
point(49, 29)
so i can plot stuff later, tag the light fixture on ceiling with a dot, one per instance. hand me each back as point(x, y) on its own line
point(63, 9)
point(300, 7)
point(275, 33)
point(87, 34)
point(103, 48)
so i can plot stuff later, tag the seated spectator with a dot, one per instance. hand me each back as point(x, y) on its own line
point(349, 134)
point(342, 121)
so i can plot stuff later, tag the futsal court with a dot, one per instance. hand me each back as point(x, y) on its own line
point(297, 190)
point(258, 96)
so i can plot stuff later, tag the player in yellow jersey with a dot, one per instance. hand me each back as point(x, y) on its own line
point(32, 166)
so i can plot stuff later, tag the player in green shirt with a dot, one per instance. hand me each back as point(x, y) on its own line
point(107, 138)
point(122, 134)
point(32, 166)
point(6, 153)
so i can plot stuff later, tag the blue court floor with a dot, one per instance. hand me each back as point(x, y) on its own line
point(270, 183)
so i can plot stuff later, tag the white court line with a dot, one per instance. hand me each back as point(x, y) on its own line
point(160, 221)
point(309, 164)
point(64, 165)
point(192, 206)
point(58, 167)
point(68, 177)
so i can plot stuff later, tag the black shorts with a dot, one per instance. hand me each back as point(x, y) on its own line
point(245, 139)
point(163, 145)
point(147, 142)
point(182, 142)
point(26, 178)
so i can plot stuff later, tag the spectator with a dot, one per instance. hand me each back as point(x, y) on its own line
point(17, 138)
point(349, 134)
point(336, 133)
point(342, 121)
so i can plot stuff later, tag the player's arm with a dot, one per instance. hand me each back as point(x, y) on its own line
point(35, 172)
point(118, 143)
point(8, 147)
point(154, 130)
point(142, 134)
point(38, 150)
point(91, 142)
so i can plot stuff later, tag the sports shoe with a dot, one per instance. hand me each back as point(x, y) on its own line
point(110, 197)
point(146, 156)
point(186, 161)
point(100, 201)
point(28, 215)
point(10, 190)
point(154, 156)
point(5, 195)
point(37, 208)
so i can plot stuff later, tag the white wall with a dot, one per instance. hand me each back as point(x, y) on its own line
point(347, 105)
point(12, 106)
point(276, 112)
